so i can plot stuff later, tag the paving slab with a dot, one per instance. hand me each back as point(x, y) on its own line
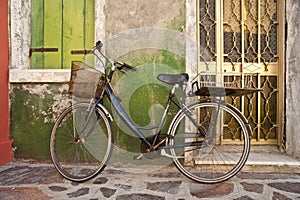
point(25, 180)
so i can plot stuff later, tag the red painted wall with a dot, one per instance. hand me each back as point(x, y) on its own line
point(5, 142)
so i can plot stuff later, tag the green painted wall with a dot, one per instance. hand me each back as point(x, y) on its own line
point(33, 111)
point(34, 107)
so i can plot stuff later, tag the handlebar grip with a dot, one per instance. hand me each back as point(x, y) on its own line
point(99, 43)
point(122, 65)
point(129, 66)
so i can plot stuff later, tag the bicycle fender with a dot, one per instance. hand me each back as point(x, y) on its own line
point(102, 108)
point(238, 112)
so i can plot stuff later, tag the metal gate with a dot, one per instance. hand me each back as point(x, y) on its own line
point(247, 36)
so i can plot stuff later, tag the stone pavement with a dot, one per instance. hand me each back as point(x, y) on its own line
point(30, 181)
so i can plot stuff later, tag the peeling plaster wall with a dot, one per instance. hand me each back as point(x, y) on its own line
point(34, 109)
point(37, 97)
point(293, 77)
point(20, 33)
point(54, 95)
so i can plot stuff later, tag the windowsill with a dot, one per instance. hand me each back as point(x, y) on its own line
point(39, 76)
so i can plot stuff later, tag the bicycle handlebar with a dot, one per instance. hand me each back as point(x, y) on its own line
point(122, 65)
point(99, 45)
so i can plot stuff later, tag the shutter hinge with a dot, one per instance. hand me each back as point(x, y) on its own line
point(85, 51)
point(41, 50)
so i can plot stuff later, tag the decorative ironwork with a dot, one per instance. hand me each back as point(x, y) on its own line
point(207, 32)
point(242, 36)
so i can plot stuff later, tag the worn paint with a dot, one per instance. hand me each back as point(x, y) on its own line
point(56, 92)
point(35, 106)
point(19, 33)
point(34, 109)
point(37, 97)
point(39, 76)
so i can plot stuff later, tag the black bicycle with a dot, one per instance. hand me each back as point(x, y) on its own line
point(199, 138)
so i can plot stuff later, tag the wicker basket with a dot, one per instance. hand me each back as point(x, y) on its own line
point(85, 81)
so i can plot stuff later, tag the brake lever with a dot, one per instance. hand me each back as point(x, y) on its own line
point(129, 67)
point(124, 71)
point(122, 65)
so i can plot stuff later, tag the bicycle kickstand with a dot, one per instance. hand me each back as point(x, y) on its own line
point(138, 157)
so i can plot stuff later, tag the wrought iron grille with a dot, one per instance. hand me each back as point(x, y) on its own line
point(242, 36)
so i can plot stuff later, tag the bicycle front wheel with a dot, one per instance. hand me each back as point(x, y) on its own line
point(210, 142)
point(81, 142)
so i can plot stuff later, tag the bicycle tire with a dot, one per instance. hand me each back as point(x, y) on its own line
point(217, 157)
point(81, 142)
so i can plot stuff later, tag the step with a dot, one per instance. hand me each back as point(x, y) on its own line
point(270, 160)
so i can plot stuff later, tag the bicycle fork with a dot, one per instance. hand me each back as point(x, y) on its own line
point(80, 137)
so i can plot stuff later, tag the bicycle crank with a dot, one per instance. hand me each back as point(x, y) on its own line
point(152, 152)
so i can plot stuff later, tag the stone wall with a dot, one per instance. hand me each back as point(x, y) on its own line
point(292, 78)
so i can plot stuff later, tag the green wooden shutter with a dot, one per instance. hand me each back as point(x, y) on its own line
point(52, 33)
point(37, 32)
point(63, 24)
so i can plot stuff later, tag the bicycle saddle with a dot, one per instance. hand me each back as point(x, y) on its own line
point(173, 79)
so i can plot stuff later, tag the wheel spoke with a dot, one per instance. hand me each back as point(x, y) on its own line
point(216, 159)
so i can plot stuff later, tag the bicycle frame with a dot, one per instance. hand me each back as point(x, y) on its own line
point(137, 129)
point(114, 99)
point(127, 120)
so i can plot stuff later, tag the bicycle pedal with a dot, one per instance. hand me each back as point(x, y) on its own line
point(138, 157)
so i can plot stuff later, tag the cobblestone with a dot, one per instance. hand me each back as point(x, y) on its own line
point(253, 187)
point(287, 186)
point(211, 191)
point(21, 180)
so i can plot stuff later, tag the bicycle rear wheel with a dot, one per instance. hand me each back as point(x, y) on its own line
point(217, 156)
point(81, 142)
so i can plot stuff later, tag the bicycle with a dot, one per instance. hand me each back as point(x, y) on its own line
point(82, 138)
